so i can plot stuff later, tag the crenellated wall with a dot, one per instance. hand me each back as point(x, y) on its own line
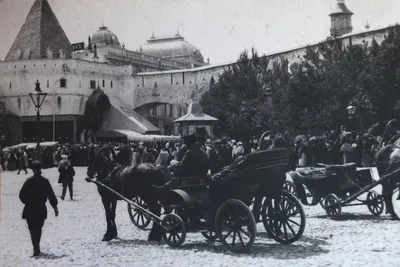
point(18, 79)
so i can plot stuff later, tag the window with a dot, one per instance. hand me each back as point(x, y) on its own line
point(104, 83)
point(111, 85)
point(10, 85)
point(48, 83)
point(92, 84)
point(165, 109)
point(59, 102)
point(19, 104)
point(172, 80)
point(154, 111)
point(183, 78)
point(63, 83)
point(170, 110)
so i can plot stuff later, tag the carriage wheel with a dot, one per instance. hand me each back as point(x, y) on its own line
point(322, 204)
point(235, 226)
point(138, 218)
point(174, 230)
point(284, 218)
point(289, 186)
point(332, 206)
point(210, 235)
point(374, 203)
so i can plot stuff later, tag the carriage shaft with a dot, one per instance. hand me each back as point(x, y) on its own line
point(362, 191)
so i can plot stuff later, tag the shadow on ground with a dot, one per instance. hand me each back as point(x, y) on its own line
point(131, 242)
point(303, 248)
point(50, 256)
point(354, 217)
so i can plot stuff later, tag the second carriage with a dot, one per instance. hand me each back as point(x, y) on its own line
point(336, 186)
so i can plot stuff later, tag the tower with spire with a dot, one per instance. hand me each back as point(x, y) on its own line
point(341, 19)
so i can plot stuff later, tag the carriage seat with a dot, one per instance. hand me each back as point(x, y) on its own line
point(347, 168)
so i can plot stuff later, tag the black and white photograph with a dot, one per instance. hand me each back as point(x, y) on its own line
point(199, 133)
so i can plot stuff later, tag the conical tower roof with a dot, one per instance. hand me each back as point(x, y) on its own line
point(41, 36)
point(195, 113)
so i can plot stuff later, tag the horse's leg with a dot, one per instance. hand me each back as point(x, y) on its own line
point(106, 204)
point(114, 232)
point(155, 208)
point(387, 192)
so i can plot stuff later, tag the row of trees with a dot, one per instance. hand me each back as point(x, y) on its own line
point(311, 95)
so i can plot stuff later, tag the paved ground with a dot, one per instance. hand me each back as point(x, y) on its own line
point(74, 238)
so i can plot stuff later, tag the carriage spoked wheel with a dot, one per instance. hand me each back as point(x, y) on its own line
point(284, 218)
point(235, 226)
point(289, 186)
point(332, 206)
point(375, 203)
point(173, 230)
point(138, 218)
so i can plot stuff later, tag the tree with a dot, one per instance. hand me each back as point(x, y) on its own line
point(239, 98)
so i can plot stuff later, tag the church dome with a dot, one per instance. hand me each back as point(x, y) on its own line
point(105, 37)
point(171, 47)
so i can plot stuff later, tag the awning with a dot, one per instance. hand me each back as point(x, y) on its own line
point(122, 116)
point(135, 136)
point(30, 145)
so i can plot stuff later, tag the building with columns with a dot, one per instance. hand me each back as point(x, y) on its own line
point(149, 87)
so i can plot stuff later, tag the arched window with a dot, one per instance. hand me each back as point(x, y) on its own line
point(59, 102)
point(212, 82)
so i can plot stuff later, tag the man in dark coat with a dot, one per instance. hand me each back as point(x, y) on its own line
point(34, 194)
point(66, 177)
point(194, 162)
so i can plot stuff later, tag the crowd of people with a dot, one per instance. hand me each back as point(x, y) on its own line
point(334, 147)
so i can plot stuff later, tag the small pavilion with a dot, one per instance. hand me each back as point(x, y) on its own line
point(196, 122)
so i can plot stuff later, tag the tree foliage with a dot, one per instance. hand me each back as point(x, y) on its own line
point(314, 94)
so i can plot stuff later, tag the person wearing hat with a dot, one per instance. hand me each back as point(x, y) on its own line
point(34, 194)
point(66, 177)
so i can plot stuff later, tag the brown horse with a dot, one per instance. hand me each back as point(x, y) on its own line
point(128, 181)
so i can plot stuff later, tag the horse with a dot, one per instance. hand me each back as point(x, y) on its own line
point(130, 181)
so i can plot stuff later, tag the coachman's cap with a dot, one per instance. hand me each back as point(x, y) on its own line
point(36, 165)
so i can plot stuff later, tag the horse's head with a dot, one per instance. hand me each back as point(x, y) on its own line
point(279, 141)
point(98, 161)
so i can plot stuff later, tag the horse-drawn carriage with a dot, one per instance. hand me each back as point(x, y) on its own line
point(335, 186)
point(226, 206)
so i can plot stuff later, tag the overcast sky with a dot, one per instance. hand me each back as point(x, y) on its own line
point(221, 29)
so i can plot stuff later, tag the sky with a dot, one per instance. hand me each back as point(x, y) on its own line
point(221, 29)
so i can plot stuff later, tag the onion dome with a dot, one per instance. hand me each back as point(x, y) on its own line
point(105, 37)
